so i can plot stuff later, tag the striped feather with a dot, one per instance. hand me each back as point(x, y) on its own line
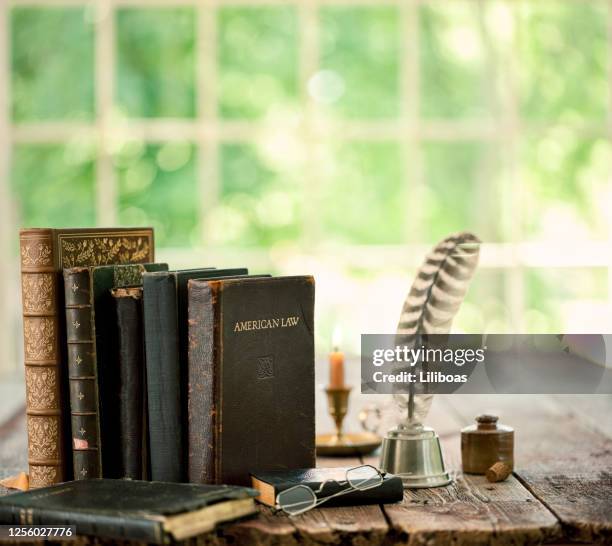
point(436, 294)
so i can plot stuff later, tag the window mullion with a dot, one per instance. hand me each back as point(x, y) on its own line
point(411, 139)
point(10, 297)
point(104, 70)
point(208, 175)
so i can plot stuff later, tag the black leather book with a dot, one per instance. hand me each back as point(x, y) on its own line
point(92, 364)
point(251, 377)
point(132, 408)
point(165, 329)
point(270, 484)
point(149, 512)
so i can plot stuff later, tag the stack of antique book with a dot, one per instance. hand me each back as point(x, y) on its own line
point(136, 371)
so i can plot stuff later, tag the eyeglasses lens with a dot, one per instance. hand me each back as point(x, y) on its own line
point(296, 499)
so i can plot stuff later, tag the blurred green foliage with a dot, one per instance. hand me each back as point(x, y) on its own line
point(156, 61)
point(566, 179)
point(360, 58)
point(52, 64)
point(552, 294)
point(564, 60)
point(54, 187)
point(258, 60)
point(278, 189)
point(454, 194)
point(259, 205)
point(455, 81)
point(157, 187)
point(364, 198)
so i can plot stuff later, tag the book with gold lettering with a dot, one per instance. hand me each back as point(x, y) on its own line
point(251, 377)
point(44, 254)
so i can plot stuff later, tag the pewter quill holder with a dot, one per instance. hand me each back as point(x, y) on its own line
point(412, 450)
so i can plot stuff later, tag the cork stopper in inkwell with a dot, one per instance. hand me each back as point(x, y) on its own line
point(487, 421)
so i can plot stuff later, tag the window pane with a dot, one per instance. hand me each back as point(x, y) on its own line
point(53, 185)
point(359, 75)
point(455, 81)
point(260, 204)
point(566, 181)
point(157, 186)
point(564, 60)
point(485, 309)
point(568, 300)
point(462, 190)
point(257, 60)
point(363, 197)
point(156, 66)
point(51, 47)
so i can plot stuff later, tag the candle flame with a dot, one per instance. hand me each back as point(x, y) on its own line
point(336, 338)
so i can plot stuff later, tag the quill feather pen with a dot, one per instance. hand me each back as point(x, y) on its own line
point(432, 303)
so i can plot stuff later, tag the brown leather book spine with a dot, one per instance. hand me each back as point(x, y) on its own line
point(42, 355)
point(44, 253)
point(202, 385)
point(82, 374)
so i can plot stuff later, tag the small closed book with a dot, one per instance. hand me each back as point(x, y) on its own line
point(251, 377)
point(151, 512)
point(270, 484)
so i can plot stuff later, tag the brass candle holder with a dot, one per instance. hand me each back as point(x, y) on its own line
point(341, 443)
point(337, 404)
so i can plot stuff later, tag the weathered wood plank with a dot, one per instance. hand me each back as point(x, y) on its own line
point(564, 463)
point(471, 510)
point(337, 525)
point(342, 525)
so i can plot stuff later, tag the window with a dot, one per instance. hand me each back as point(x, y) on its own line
point(329, 137)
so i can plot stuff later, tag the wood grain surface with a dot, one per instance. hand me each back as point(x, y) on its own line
point(561, 490)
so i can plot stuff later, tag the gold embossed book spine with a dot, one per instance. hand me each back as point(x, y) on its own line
point(42, 355)
point(44, 254)
point(83, 376)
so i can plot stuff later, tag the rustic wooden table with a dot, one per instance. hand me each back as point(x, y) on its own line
point(560, 492)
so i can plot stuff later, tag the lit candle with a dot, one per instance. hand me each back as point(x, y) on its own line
point(336, 369)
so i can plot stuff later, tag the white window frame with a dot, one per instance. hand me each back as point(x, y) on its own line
point(207, 130)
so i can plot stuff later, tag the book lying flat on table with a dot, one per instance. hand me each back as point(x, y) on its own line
point(271, 483)
point(152, 512)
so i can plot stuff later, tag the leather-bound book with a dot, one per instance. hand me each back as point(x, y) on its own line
point(132, 429)
point(93, 365)
point(111, 511)
point(270, 484)
point(44, 253)
point(251, 377)
point(165, 329)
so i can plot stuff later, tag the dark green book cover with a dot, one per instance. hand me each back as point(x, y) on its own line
point(151, 512)
point(165, 329)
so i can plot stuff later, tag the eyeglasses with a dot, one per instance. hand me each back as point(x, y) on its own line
point(301, 498)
